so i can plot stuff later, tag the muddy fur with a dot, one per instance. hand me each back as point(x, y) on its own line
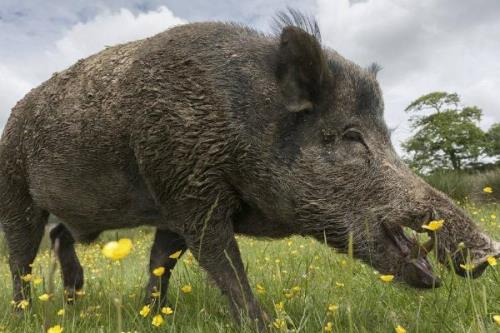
point(207, 130)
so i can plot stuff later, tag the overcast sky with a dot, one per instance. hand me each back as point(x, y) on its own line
point(423, 46)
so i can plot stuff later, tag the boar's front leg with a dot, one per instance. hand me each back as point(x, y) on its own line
point(216, 249)
point(71, 270)
point(165, 244)
point(24, 224)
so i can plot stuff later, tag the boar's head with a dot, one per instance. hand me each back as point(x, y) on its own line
point(336, 173)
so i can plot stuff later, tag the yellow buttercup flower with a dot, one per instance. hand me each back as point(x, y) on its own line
point(399, 329)
point(117, 250)
point(332, 308)
point(329, 327)
point(159, 271)
point(290, 293)
point(279, 323)
point(260, 289)
point(186, 289)
point(27, 277)
point(279, 306)
point(60, 312)
point(23, 304)
point(387, 278)
point(175, 255)
point(167, 310)
point(145, 311)
point(37, 281)
point(339, 284)
point(496, 318)
point(44, 297)
point(434, 225)
point(488, 189)
point(492, 261)
point(157, 320)
point(55, 329)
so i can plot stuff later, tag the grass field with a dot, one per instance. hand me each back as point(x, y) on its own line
point(303, 284)
point(466, 185)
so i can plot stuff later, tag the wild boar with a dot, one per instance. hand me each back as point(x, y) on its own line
point(207, 130)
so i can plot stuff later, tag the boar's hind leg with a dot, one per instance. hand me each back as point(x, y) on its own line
point(217, 252)
point(71, 270)
point(165, 244)
point(24, 225)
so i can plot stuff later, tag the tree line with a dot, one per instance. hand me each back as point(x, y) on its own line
point(446, 135)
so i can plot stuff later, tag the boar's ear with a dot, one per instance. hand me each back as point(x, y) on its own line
point(301, 69)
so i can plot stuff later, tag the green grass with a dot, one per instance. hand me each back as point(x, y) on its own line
point(365, 303)
point(467, 185)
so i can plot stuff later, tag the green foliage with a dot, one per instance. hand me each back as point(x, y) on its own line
point(493, 137)
point(435, 100)
point(447, 135)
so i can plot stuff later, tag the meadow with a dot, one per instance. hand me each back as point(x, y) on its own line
point(305, 285)
point(466, 185)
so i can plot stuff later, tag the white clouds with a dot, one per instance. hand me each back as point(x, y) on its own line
point(12, 88)
point(423, 46)
point(81, 40)
point(108, 29)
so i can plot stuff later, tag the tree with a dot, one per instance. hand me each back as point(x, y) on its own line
point(447, 135)
point(493, 137)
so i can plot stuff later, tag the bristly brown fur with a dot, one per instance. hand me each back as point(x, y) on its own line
point(374, 68)
point(294, 18)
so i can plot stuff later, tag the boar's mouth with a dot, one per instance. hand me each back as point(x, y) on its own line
point(415, 269)
point(470, 260)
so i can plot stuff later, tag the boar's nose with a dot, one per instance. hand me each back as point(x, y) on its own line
point(478, 266)
point(417, 272)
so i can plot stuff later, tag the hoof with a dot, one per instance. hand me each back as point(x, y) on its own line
point(71, 295)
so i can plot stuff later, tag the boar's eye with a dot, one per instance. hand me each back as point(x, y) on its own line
point(355, 146)
point(352, 134)
point(355, 136)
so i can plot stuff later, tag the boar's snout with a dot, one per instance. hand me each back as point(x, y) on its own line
point(474, 262)
point(460, 243)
